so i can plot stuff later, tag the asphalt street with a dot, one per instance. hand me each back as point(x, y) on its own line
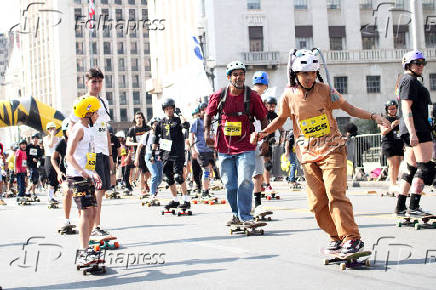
point(197, 252)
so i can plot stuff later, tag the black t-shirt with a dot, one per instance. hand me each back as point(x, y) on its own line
point(61, 148)
point(271, 115)
point(115, 145)
point(136, 133)
point(33, 151)
point(411, 89)
point(170, 129)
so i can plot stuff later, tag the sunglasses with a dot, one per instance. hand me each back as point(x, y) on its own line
point(419, 62)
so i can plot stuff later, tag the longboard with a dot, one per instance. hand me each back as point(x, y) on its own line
point(92, 267)
point(263, 216)
point(67, 230)
point(348, 261)
point(417, 222)
point(102, 240)
point(248, 230)
point(151, 202)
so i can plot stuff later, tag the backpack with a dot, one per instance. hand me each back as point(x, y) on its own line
point(223, 99)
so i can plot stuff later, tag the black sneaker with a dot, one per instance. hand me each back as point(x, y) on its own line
point(352, 246)
point(172, 204)
point(333, 247)
point(234, 221)
point(400, 212)
point(185, 205)
point(417, 213)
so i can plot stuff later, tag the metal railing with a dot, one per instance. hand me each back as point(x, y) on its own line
point(261, 57)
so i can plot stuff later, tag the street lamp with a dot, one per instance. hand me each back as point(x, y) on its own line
point(210, 72)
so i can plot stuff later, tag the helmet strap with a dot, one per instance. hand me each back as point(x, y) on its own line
point(416, 75)
point(307, 90)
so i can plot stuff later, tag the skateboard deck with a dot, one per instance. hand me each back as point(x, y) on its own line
point(248, 230)
point(53, 205)
point(113, 195)
point(67, 230)
point(264, 216)
point(349, 261)
point(171, 210)
point(183, 211)
point(211, 200)
point(151, 202)
point(23, 201)
point(389, 193)
point(271, 195)
point(417, 222)
point(33, 199)
point(92, 267)
point(102, 240)
point(106, 246)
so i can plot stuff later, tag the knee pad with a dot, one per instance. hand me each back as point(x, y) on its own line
point(206, 174)
point(268, 165)
point(179, 178)
point(408, 176)
point(425, 171)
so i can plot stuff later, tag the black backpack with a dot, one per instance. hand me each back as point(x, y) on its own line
point(223, 98)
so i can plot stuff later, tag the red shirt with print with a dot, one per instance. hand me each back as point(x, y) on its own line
point(20, 161)
point(233, 136)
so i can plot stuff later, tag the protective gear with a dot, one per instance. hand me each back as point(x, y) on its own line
point(234, 65)
point(195, 112)
point(391, 103)
point(271, 101)
point(86, 104)
point(35, 136)
point(260, 77)
point(411, 56)
point(121, 134)
point(305, 60)
point(65, 124)
point(167, 103)
point(268, 165)
point(426, 172)
point(206, 173)
point(408, 176)
point(202, 106)
point(50, 125)
point(22, 141)
point(153, 120)
point(179, 178)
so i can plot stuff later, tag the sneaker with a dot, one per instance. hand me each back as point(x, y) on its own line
point(249, 222)
point(28, 195)
point(99, 232)
point(185, 205)
point(352, 246)
point(268, 188)
point(333, 247)
point(172, 204)
point(53, 201)
point(400, 212)
point(417, 212)
point(234, 221)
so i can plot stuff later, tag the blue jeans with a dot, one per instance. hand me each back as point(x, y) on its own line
point(236, 173)
point(156, 172)
point(293, 168)
point(21, 183)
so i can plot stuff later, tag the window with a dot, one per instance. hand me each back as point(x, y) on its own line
point(109, 98)
point(336, 43)
point(136, 98)
point(300, 4)
point(303, 37)
point(123, 98)
point(120, 48)
point(118, 2)
point(118, 14)
point(135, 81)
point(135, 64)
point(366, 4)
point(78, 1)
point(94, 48)
point(108, 64)
point(107, 47)
point(120, 33)
point(149, 113)
point(146, 33)
point(136, 109)
point(79, 47)
point(132, 2)
point(337, 37)
point(123, 115)
point(369, 37)
point(133, 47)
point(93, 33)
point(399, 4)
point(132, 14)
point(401, 36)
point(333, 4)
point(373, 84)
point(93, 62)
point(121, 64)
point(255, 35)
point(107, 32)
point(432, 78)
point(80, 66)
point(147, 66)
point(144, 2)
point(108, 81)
point(132, 34)
point(122, 81)
point(148, 98)
point(304, 42)
point(341, 84)
point(80, 82)
point(144, 14)
point(430, 38)
point(103, 1)
point(253, 4)
point(428, 4)
point(79, 31)
point(111, 111)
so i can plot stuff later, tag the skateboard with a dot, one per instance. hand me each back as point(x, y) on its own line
point(93, 267)
point(53, 205)
point(10, 194)
point(272, 195)
point(248, 230)
point(104, 243)
point(389, 193)
point(144, 196)
point(67, 230)
point(127, 193)
point(168, 210)
point(415, 222)
point(217, 187)
point(151, 202)
point(113, 195)
point(33, 198)
point(183, 211)
point(101, 241)
point(23, 201)
point(296, 186)
point(211, 200)
point(264, 216)
point(349, 261)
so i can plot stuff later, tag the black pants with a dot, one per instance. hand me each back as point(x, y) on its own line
point(126, 176)
point(196, 172)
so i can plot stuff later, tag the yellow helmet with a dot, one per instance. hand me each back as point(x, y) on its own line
point(86, 104)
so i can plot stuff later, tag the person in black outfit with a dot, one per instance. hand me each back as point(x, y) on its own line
point(391, 143)
point(415, 130)
point(169, 137)
point(271, 104)
point(34, 153)
point(115, 148)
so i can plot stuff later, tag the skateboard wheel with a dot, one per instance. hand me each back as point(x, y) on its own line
point(194, 202)
point(116, 245)
point(343, 266)
point(84, 272)
point(261, 232)
point(223, 202)
point(162, 213)
point(148, 204)
point(367, 263)
point(326, 261)
point(142, 203)
point(173, 211)
point(211, 202)
point(417, 226)
point(231, 232)
point(97, 248)
point(78, 268)
point(247, 233)
point(189, 212)
point(268, 197)
point(179, 214)
point(158, 204)
point(269, 218)
point(277, 197)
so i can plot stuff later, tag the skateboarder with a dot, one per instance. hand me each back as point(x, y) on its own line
point(50, 141)
point(270, 104)
point(237, 106)
point(290, 153)
point(21, 168)
point(321, 148)
point(34, 154)
point(170, 140)
point(81, 162)
point(416, 133)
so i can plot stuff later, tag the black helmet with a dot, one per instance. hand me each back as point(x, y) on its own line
point(271, 101)
point(391, 103)
point(168, 102)
point(36, 135)
point(23, 141)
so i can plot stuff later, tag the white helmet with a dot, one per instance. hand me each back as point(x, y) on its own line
point(305, 60)
point(121, 134)
point(234, 65)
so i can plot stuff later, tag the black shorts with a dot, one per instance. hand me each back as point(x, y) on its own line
point(34, 175)
point(102, 167)
point(423, 137)
point(142, 164)
point(170, 168)
point(270, 150)
point(83, 192)
point(206, 158)
point(51, 172)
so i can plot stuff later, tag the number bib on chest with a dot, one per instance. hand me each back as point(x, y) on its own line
point(24, 163)
point(233, 129)
point(90, 161)
point(33, 152)
point(315, 127)
point(165, 144)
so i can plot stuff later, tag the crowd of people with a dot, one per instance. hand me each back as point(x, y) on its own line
point(237, 131)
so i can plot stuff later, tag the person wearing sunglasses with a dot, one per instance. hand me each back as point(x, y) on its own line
point(415, 131)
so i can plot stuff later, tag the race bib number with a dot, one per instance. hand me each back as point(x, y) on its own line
point(397, 135)
point(33, 152)
point(101, 128)
point(24, 163)
point(315, 127)
point(90, 161)
point(233, 129)
point(165, 144)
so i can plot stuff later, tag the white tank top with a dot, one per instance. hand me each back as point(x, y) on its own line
point(85, 146)
point(48, 151)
